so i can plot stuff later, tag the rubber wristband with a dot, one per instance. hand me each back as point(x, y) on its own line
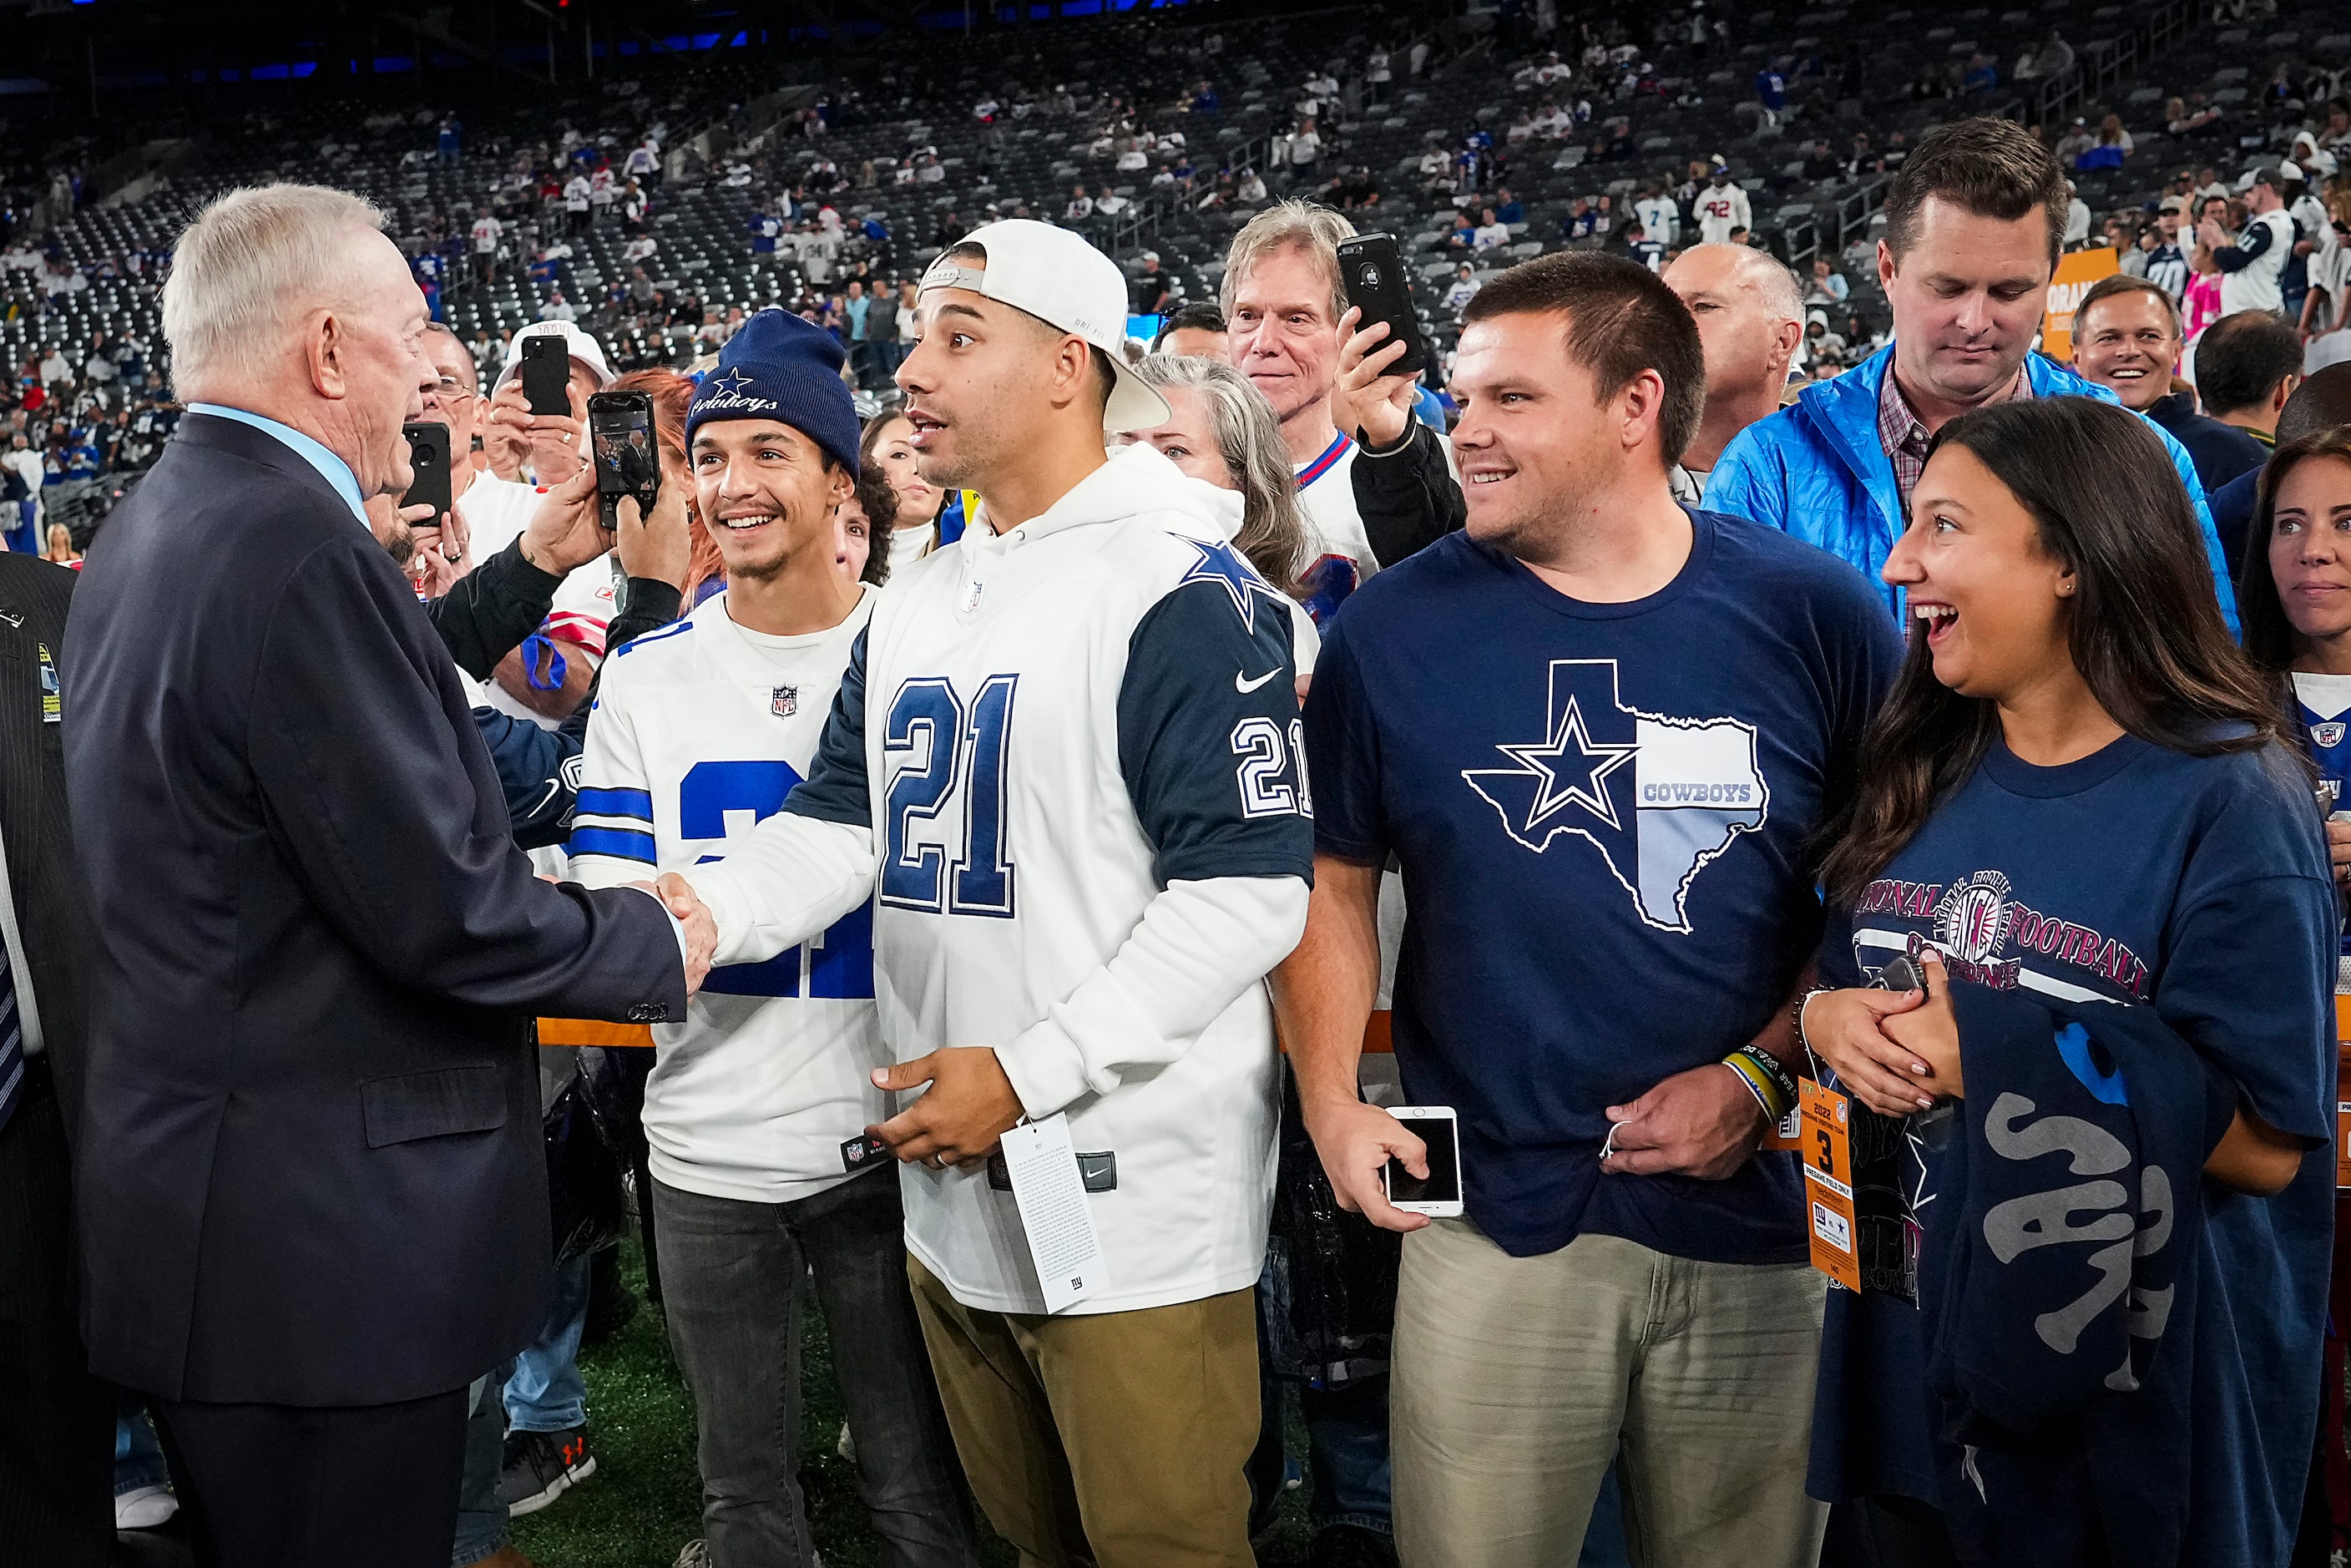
point(1783, 1083)
point(1759, 1084)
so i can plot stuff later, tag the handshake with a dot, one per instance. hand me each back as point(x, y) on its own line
point(678, 896)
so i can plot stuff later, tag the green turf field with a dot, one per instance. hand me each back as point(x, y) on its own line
point(643, 1502)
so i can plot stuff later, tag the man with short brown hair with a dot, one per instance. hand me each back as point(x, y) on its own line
point(1974, 223)
point(1606, 831)
point(2127, 337)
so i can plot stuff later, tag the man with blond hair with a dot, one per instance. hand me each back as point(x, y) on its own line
point(1283, 302)
point(316, 1208)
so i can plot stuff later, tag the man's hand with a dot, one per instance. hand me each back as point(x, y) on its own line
point(1703, 1123)
point(2339, 849)
point(1355, 1142)
point(1380, 404)
point(678, 896)
point(970, 1106)
point(566, 531)
point(658, 546)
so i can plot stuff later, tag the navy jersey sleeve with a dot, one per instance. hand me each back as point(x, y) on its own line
point(1210, 738)
point(1343, 756)
point(2251, 247)
point(836, 789)
point(2252, 941)
point(531, 768)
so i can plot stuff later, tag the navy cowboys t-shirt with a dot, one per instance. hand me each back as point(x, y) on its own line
point(1600, 812)
point(2197, 885)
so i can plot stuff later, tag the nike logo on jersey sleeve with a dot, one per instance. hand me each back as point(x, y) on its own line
point(1247, 687)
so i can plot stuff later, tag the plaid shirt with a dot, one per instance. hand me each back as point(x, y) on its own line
point(1906, 439)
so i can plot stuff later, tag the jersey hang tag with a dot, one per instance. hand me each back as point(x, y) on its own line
point(52, 704)
point(1050, 1193)
point(971, 592)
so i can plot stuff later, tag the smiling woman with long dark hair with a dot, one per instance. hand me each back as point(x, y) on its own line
point(2076, 798)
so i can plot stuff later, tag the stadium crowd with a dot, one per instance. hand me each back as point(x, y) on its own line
point(1687, 724)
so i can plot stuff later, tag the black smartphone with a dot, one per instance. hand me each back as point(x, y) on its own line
point(428, 460)
point(1371, 270)
point(546, 372)
point(1439, 1194)
point(628, 462)
point(1901, 973)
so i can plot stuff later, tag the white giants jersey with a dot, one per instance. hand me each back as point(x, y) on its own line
point(1720, 209)
point(1060, 753)
point(699, 730)
point(1339, 553)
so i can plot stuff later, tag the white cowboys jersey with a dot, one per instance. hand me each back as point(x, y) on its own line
point(1055, 750)
point(701, 729)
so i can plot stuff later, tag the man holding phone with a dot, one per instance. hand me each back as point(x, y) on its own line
point(1283, 297)
point(1604, 840)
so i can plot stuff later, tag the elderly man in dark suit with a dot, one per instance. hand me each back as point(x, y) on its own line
point(56, 1421)
point(310, 1185)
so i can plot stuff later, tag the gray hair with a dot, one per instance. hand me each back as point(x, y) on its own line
point(244, 266)
point(1249, 439)
point(1777, 288)
point(1288, 226)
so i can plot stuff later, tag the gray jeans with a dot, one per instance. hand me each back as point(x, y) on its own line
point(734, 1282)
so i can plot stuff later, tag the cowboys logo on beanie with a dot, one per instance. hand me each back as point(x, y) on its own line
point(781, 367)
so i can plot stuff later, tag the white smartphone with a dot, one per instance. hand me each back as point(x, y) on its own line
point(1438, 1195)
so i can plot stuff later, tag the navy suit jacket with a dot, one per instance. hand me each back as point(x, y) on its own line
point(310, 1170)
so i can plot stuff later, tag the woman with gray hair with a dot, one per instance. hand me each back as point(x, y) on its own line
point(1220, 429)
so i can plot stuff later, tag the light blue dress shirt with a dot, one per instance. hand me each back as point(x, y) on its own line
point(331, 468)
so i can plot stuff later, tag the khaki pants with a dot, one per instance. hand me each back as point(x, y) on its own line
point(1109, 1438)
point(1519, 1380)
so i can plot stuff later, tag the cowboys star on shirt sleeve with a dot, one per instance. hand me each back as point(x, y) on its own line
point(1209, 744)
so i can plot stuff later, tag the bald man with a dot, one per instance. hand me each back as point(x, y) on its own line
point(1751, 318)
point(2322, 402)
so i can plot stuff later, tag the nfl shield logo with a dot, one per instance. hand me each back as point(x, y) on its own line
point(785, 702)
point(2328, 736)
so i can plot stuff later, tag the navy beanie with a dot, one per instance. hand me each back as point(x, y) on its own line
point(781, 367)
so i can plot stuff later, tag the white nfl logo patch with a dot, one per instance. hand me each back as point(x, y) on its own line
point(785, 702)
point(2327, 735)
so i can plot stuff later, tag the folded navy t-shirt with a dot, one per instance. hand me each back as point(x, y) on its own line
point(1600, 813)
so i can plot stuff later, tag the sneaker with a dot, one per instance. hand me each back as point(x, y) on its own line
point(1350, 1546)
point(145, 1508)
point(696, 1554)
point(541, 1466)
